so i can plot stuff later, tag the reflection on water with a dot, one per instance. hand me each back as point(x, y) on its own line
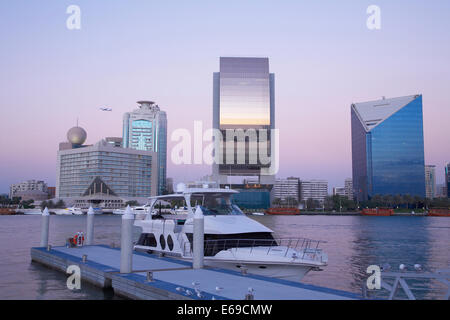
point(353, 243)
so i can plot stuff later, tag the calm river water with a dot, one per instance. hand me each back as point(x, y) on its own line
point(353, 243)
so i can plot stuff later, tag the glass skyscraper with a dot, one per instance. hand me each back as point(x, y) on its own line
point(388, 148)
point(146, 129)
point(243, 98)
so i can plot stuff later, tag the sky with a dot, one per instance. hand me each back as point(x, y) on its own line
point(322, 53)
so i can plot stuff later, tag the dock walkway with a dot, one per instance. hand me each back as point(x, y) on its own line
point(175, 279)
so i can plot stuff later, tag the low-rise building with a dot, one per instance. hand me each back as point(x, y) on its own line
point(430, 181)
point(346, 191)
point(288, 188)
point(29, 185)
point(314, 189)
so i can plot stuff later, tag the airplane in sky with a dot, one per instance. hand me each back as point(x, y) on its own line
point(106, 109)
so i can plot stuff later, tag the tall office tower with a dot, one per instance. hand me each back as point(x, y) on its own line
point(430, 181)
point(447, 179)
point(314, 189)
point(387, 147)
point(288, 188)
point(145, 128)
point(244, 99)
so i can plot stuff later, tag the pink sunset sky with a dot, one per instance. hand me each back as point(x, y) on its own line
point(323, 56)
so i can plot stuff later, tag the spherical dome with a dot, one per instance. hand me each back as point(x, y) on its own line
point(76, 135)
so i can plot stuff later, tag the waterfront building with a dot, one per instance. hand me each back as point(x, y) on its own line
point(252, 195)
point(288, 188)
point(35, 195)
point(348, 185)
point(252, 198)
point(51, 192)
point(29, 185)
point(314, 189)
point(447, 179)
point(387, 147)
point(430, 181)
point(339, 191)
point(105, 173)
point(145, 128)
point(345, 191)
point(441, 190)
point(244, 99)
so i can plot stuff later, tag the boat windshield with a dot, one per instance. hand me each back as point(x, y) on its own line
point(221, 209)
point(218, 205)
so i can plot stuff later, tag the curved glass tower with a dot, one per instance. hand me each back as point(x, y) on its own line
point(388, 148)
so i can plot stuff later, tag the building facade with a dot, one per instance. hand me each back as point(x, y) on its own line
point(430, 181)
point(339, 191)
point(145, 129)
point(441, 190)
point(348, 185)
point(314, 189)
point(244, 101)
point(447, 179)
point(124, 172)
point(29, 185)
point(388, 147)
point(345, 191)
point(288, 188)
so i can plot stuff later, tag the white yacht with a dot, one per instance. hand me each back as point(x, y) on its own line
point(32, 212)
point(232, 240)
point(68, 211)
point(138, 210)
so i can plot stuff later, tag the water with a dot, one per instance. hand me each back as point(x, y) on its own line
point(353, 243)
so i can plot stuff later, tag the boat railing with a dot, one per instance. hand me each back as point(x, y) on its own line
point(410, 285)
point(297, 248)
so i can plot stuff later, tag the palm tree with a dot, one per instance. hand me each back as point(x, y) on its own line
point(377, 200)
point(398, 199)
point(407, 199)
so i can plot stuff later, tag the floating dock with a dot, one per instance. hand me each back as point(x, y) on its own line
point(173, 278)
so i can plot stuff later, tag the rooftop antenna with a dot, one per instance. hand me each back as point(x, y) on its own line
point(77, 121)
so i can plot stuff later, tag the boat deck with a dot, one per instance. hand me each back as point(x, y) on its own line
point(173, 279)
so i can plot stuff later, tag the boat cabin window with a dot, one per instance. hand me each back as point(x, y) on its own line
point(217, 205)
point(215, 243)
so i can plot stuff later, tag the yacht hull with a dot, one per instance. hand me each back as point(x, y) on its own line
point(291, 272)
point(286, 272)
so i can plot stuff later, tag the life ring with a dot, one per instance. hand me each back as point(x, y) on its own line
point(78, 236)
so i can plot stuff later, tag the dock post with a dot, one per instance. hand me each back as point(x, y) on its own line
point(90, 227)
point(199, 237)
point(126, 242)
point(44, 227)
